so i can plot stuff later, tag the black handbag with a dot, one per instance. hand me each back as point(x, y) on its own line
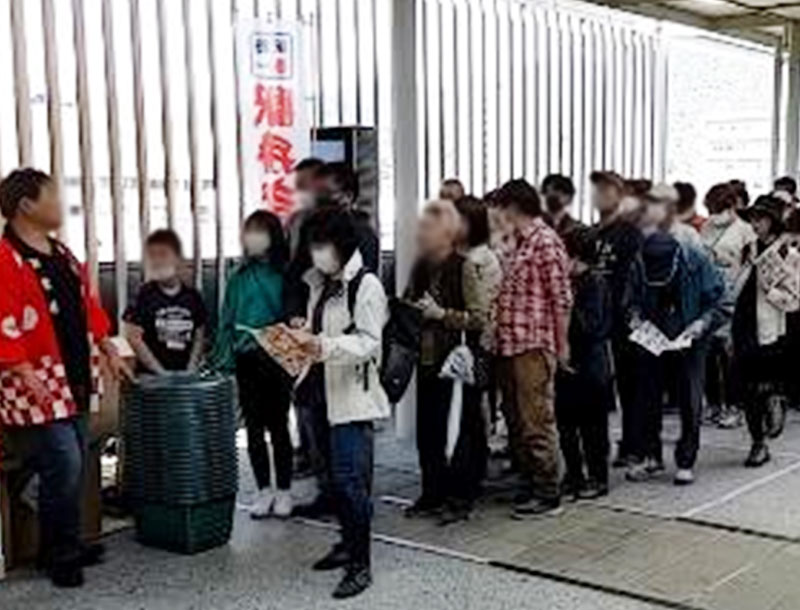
point(401, 339)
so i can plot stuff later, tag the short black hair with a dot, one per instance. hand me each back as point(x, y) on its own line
point(786, 183)
point(687, 196)
point(262, 220)
point(24, 183)
point(473, 210)
point(741, 191)
point(336, 226)
point(559, 182)
point(521, 194)
point(165, 237)
point(343, 175)
point(721, 197)
point(312, 163)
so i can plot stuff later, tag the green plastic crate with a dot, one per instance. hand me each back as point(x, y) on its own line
point(186, 529)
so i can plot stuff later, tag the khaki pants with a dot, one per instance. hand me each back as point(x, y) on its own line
point(527, 383)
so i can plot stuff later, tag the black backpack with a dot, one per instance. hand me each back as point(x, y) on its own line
point(401, 338)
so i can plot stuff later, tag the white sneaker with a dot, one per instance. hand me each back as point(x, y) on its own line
point(283, 504)
point(262, 507)
point(684, 476)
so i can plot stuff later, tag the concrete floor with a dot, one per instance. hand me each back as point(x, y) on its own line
point(728, 543)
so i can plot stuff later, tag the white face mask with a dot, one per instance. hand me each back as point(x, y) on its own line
point(256, 243)
point(325, 259)
point(162, 273)
point(304, 200)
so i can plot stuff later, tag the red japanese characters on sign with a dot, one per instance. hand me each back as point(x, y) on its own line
point(275, 129)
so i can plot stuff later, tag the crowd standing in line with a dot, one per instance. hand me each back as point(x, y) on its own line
point(543, 314)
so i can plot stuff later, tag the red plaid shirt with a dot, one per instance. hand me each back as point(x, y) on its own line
point(535, 296)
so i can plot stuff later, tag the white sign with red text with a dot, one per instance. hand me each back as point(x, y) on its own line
point(275, 129)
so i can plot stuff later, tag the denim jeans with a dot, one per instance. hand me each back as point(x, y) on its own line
point(352, 450)
point(56, 452)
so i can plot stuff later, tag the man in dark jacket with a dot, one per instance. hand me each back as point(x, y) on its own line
point(559, 192)
point(584, 395)
point(678, 290)
point(618, 242)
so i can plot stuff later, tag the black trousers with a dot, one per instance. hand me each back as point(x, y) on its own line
point(264, 394)
point(460, 479)
point(720, 385)
point(582, 407)
point(683, 373)
point(625, 380)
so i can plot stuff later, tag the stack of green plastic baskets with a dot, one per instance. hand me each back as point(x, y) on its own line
point(181, 471)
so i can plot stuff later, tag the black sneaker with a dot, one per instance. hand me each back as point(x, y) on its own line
point(67, 575)
point(92, 555)
point(320, 507)
point(356, 580)
point(453, 514)
point(775, 417)
point(538, 507)
point(759, 455)
point(570, 487)
point(593, 490)
point(424, 507)
point(337, 558)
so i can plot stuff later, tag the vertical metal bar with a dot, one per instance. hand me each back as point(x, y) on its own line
point(237, 101)
point(375, 78)
point(320, 67)
point(339, 57)
point(115, 162)
point(498, 97)
point(166, 114)
point(470, 98)
point(85, 139)
point(777, 98)
point(440, 63)
point(141, 126)
point(53, 95)
point(793, 112)
point(357, 42)
point(425, 105)
point(525, 100)
point(484, 99)
point(216, 152)
point(21, 87)
point(191, 127)
point(511, 97)
point(456, 92)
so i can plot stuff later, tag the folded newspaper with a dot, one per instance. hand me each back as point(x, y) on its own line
point(654, 341)
point(281, 344)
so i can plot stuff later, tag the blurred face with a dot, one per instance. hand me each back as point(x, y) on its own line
point(325, 258)
point(304, 180)
point(451, 191)
point(162, 263)
point(555, 200)
point(256, 241)
point(762, 225)
point(655, 215)
point(605, 198)
point(433, 235)
point(497, 227)
point(45, 211)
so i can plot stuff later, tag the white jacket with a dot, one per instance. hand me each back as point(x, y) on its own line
point(777, 287)
point(726, 236)
point(353, 390)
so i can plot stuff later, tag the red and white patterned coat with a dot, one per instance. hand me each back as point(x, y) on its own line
point(27, 334)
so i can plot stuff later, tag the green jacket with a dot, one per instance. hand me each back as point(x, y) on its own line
point(253, 298)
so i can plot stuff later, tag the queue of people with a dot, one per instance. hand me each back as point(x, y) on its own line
point(550, 311)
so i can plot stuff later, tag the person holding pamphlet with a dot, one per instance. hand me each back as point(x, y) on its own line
point(254, 300)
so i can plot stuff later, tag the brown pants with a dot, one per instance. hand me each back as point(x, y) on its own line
point(527, 383)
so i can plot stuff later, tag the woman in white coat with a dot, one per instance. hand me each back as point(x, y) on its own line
point(347, 311)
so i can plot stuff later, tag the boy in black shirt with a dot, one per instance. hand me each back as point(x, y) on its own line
point(166, 324)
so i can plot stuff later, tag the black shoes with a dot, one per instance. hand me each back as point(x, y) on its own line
point(357, 579)
point(337, 558)
point(453, 513)
point(92, 555)
point(759, 455)
point(425, 507)
point(319, 508)
point(537, 507)
point(67, 575)
point(592, 490)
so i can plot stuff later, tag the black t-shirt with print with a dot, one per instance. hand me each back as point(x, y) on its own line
point(169, 322)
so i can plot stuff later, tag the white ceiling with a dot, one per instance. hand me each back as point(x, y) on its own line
point(760, 20)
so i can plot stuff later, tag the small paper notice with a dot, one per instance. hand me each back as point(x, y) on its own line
point(648, 336)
